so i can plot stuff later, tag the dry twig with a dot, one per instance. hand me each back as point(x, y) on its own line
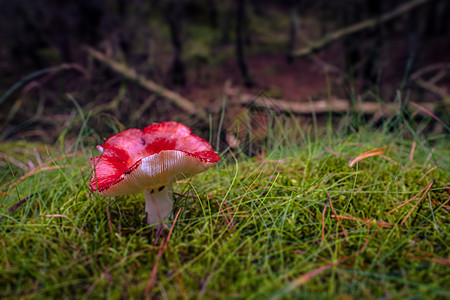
point(366, 24)
point(430, 85)
point(183, 103)
point(333, 105)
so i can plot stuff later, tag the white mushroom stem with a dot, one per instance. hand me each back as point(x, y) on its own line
point(158, 204)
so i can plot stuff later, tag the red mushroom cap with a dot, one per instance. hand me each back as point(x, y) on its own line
point(158, 155)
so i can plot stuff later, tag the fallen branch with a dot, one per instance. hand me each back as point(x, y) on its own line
point(333, 105)
point(430, 85)
point(370, 23)
point(183, 103)
point(431, 68)
point(434, 89)
point(39, 73)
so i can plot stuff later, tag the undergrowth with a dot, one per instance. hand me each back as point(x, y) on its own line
point(294, 221)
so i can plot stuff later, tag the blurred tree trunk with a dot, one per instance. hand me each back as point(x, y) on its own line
point(351, 43)
point(174, 12)
point(293, 32)
point(411, 32)
point(122, 8)
point(240, 28)
point(446, 19)
point(213, 13)
point(437, 15)
point(123, 40)
point(28, 47)
point(226, 25)
point(375, 37)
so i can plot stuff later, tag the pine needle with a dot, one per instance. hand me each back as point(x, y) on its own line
point(374, 152)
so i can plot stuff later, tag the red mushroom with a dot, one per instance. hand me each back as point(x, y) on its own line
point(151, 160)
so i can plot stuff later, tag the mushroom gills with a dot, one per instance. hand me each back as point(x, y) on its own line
point(158, 204)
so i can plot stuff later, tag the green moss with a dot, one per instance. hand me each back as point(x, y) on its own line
point(250, 229)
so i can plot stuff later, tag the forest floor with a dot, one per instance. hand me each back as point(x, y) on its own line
point(285, 214)
point(354, 212)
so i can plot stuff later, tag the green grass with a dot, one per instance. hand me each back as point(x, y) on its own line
point(261, 227)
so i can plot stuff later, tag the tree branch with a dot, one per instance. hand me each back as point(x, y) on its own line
point(334, 105)
point(339, 34)
point(430, 85)
point(175, 98)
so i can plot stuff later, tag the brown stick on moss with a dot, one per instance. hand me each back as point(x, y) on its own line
point(369, 23)
point(321, 106)
point(175, 98)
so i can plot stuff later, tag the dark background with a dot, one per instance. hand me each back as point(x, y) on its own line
point(197, 47)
